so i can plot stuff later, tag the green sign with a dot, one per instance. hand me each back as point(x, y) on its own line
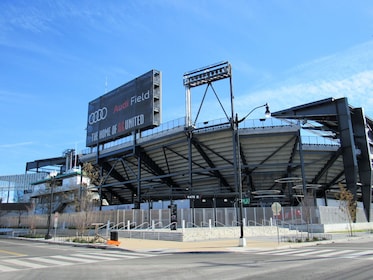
point(246, 201)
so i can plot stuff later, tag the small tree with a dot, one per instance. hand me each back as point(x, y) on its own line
point(83, 218)
point(85, 202)
point(31, 218)
point(348, 205)
point(92, 173)
point(306, 211)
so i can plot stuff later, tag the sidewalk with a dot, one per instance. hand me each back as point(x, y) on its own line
point(141, 245)
point(225, 245)
point(219, 245)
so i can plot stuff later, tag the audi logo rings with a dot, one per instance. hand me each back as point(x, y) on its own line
point(97, 116)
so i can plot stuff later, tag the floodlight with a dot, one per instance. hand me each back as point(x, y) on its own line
point(207, 74)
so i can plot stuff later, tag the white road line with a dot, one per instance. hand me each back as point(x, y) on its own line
point(315, 252)
point(113, 253)
point(50, 261)
point(97, 256)
point(272, 252)
point(143, 255)
point(63, 260)
point(365, 252)
point(291, 252)
point(324, 253)
point(24, 263)
point(121, 256)
point(337, 253)
point(360, 254)
point(72, 259)
point(4, 268)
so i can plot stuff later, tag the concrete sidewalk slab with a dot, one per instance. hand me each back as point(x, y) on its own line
point(142, 245)
point(225, 245)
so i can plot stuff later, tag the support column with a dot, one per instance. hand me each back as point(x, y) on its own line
point(347, 144)
point(364, 159)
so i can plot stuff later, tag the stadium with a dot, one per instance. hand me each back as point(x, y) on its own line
point(223, 170)
point(222, 163)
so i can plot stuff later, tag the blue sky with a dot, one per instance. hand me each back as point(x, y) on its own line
point(57, 56)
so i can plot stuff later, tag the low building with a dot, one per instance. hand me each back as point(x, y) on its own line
point(14, 188)
point(63, 189)
point(67, 192)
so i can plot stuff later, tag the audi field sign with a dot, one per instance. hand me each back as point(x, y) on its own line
point(134, 106)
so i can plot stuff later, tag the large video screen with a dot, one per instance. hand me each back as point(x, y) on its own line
point(133, 106)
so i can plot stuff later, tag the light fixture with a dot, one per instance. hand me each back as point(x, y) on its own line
point(207, 74)
point(267, 112)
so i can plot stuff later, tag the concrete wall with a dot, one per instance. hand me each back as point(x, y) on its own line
point(200, 234)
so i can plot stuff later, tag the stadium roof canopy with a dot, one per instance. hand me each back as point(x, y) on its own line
point(279, 160)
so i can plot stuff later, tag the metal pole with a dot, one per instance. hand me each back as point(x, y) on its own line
point(236, 164)
point(100, 186)
point(237, 167)
point(188, 117)
point(238, 183)
point(138, 206)
point(239, 179)
point(48, 235)
point(190, 171)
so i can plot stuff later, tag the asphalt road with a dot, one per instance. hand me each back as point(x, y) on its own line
point(33, 260)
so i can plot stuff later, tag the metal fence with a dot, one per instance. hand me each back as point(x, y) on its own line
point(81, 222)
point(161, 218)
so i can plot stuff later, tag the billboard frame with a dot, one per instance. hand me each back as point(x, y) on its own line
point(133, 106)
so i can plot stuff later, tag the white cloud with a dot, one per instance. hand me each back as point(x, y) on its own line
point(357, 88)
point(348, 73)
point(15, 145)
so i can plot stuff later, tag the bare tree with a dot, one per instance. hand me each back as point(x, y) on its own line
point(84, 217)
point(31, 218)
point(86, 199)
point(348, 205)
point(92, 173)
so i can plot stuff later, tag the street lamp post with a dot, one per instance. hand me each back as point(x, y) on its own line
point(208, 75)
point(237, 166)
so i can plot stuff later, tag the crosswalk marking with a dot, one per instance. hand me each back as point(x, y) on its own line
point(121, 255)
point(361, 254)
point(73, 259)
point(366, 252)
point(142, 255)
point(129, 257)
point(322, 253)
point(14, 264)
point(23, 263)
point(4, 268)
point(336, 253)
point(286, 252)
point(312, 252)
point(50, 261)
point(115, 253)
point(97, 256)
